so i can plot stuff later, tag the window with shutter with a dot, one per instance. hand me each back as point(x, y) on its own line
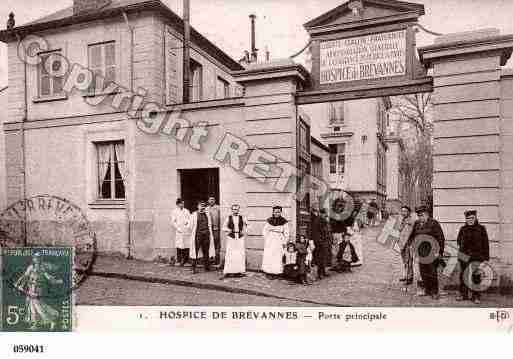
point(196, 81)
point(172, 71)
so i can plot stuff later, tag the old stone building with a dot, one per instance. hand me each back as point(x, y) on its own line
point(355, 133)
point(240, 138)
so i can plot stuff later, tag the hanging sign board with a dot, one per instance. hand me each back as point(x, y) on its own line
point(366, 57)
point(364, 48)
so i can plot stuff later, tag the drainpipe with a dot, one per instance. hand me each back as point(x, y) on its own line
point(128, 209)
point(23, 144)
point(186, 50)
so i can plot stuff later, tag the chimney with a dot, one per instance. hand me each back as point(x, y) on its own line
point(85, 6)
point(254, 50)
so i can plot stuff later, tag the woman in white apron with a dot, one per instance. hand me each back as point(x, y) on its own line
point(235, 258)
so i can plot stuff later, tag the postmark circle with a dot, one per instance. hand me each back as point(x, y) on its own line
point(47, 221)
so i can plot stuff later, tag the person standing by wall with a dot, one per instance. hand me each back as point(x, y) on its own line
point(321, 236)
point(180, 220)
point(235, 258)
point(353, 225)
point(201, 237)
point(276, 234)
point(428, 240)
point(405, 225)
point(215, 215)
point(474, 248)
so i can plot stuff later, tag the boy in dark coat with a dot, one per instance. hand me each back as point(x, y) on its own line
point(474, 249)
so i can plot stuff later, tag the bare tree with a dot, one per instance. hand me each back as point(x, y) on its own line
point(415, 116)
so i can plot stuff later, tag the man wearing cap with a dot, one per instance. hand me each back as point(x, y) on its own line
point(474, 249)
point(428, 241)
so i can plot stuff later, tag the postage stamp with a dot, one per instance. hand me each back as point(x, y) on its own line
point(50, 221)
point(37, 289)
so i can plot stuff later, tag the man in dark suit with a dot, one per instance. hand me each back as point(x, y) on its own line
point(474, 249)
point(428, 241)
point(320, 234)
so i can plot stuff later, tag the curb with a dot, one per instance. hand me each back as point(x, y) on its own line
point(209, 286)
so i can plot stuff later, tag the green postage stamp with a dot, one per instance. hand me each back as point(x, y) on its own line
point(36, 289)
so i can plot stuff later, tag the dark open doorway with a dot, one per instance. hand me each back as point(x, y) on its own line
point(198, 184)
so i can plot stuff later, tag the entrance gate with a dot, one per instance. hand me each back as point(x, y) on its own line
point(473, 102)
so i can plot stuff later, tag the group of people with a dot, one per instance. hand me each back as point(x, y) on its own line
point(198, 236)
point(424, 240)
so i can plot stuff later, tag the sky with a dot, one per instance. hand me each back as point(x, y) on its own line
point(279, 23)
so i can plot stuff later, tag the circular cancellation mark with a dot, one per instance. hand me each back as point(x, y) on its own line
point(47, 221)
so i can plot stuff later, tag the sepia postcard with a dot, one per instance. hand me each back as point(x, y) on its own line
point(327, 165)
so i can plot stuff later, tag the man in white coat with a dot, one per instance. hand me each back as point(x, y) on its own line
point(202, 237)
point(276, 235)
point(180, 220)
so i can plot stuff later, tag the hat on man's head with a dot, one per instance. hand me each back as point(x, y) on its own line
point(470, 212)
point(421, 209)
point(278, 207)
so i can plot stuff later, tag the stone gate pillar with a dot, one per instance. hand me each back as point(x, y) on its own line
point(270, 131)
point(473, 147)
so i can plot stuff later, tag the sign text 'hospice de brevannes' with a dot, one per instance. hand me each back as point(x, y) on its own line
point(363, 58)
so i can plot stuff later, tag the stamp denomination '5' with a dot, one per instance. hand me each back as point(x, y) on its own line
point(36, 289)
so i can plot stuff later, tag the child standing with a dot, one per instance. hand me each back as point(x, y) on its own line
point(290, 266)
point(304, 249)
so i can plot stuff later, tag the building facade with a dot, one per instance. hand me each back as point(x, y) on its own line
point(240, 139)
point(354, 131)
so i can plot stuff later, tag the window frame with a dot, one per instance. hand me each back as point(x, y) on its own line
point(103, 65)
point(112, 165)
point(335, 158)
point(193, 66)
point(40, 67)
point(226, 88)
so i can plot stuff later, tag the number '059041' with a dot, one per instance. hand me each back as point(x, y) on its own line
point(25, 348)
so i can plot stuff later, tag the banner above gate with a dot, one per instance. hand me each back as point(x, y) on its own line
point(365, 44)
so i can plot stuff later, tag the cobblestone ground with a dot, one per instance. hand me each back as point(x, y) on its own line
point(375, 283)
point(112, 291)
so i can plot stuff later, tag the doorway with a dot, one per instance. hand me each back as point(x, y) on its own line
point(198, 184)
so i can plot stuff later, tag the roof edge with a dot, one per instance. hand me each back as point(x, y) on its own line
point(149, 5)
point(417, 8)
